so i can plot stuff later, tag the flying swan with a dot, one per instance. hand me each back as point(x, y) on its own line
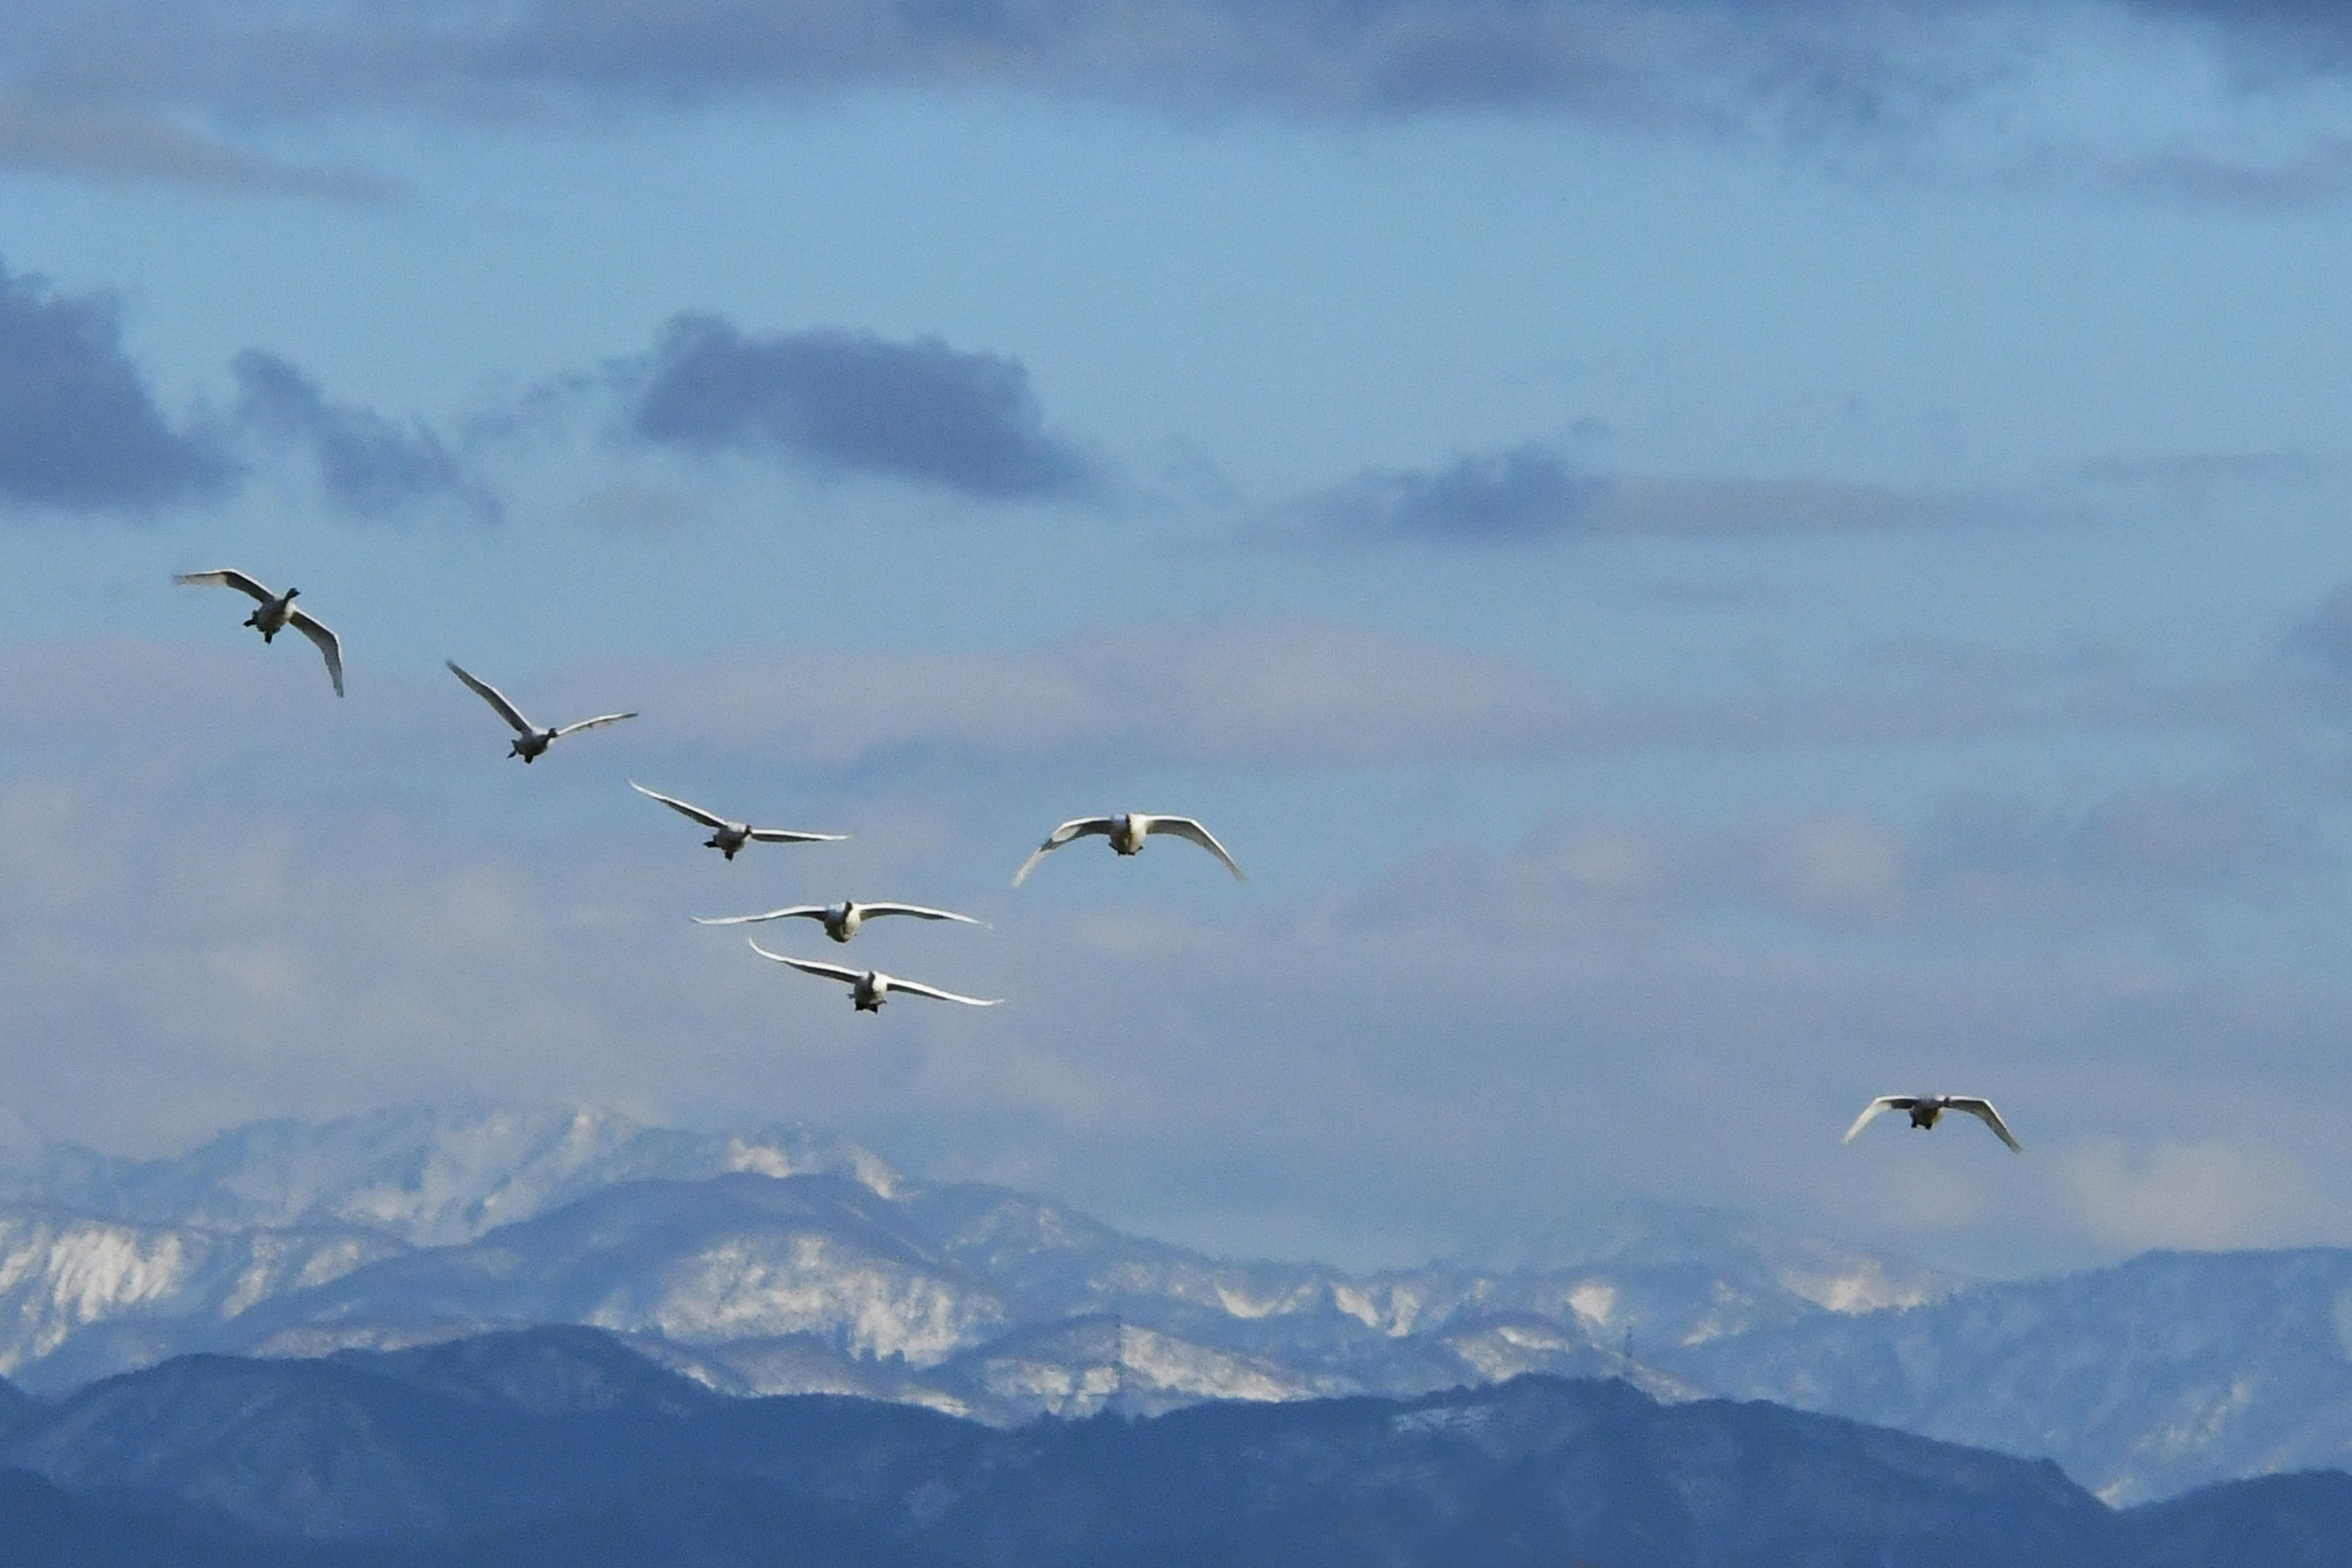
point(277, 613)
point(1926, 1108)
point(1127, 832)
point(529, 739)
point(867, 988)
point(729, 836)
point(841, 920)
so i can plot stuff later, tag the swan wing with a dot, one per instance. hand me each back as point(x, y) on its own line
point(933, 992)
point(679, 806)
point(227, 578)
point(324, 641)
point(1877, 1108)
point(1983, 1111)
point(918, 912)
point(1076, 827)
point(811, 966)
point(787, 836)
point(813, 911)
point(491, 695)
point(592, 723)
point(1185, 828)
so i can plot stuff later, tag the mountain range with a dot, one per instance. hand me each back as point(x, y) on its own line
point(564, 1446)
point(781, 1261)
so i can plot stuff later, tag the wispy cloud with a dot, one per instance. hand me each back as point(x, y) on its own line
point(106, 143)
point(1534, 492)
point(370, 465)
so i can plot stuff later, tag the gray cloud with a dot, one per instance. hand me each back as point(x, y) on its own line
point(853, 402)
point(370, 465)
point(79, 431)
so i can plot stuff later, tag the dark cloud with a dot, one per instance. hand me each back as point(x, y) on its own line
point(371, 466)
point(79, 431)
point(853, 401)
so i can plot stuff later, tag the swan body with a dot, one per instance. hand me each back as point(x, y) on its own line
point(868, 987)
point(530, 739)
point(1127, 832)
point(841, 920)
point(276, 613)
point(726, 836)
point(1927, 1109)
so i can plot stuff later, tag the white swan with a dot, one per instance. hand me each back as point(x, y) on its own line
point(840, 920)
point(277, 613)
point(729, 836)
point(1127, 832)
point(529, 739)
point(867, 988)
point(1928, 1109)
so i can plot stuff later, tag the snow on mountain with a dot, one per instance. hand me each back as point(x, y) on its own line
point(61, 1273)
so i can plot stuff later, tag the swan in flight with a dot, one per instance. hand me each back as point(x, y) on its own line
point(867, 988)
point(277, 613)
point(841, 920)
point(1926, 1108)
point(1127, 832)
point(529, 739)
point(729, 836)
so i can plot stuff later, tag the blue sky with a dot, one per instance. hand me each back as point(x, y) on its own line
point(1712, 560)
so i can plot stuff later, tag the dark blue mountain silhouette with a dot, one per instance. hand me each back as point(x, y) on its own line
point(562, 1446)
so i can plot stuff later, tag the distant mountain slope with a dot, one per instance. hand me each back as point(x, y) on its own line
point(2143, 1380)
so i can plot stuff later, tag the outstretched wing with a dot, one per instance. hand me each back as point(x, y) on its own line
point(920, 989)
point(918, 912)
point(813, 911)
point(1884, 1102)
point(1185, 828)
point(324, 641)
point(679, 806)
point(811, 966)
point(1077, 827)
point(787, 836)
point(228, 579)
point(592, 723)
point(1983, 1111)
point(493, 696)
